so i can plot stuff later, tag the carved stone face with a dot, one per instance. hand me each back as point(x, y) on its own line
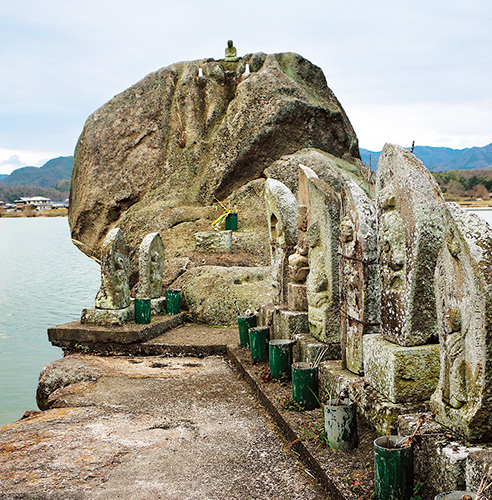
point(346, 230)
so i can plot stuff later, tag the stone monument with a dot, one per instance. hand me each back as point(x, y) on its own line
point(359, 274)
point(402, 363)
point(322, 280)
point(112, 304)
point(299, 261)
point(282, 225)
point(411, 229)
point(463, 398)
point(150, 269)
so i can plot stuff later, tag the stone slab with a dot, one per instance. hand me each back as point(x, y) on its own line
point(69, 335)
point(401, 374)
point(213, 241)
point(380, 413)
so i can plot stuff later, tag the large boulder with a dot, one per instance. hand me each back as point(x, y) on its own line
point(154, 157)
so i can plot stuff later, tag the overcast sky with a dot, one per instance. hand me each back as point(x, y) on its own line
point(415, 70)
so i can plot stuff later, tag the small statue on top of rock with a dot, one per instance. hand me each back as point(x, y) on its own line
point(230, 52)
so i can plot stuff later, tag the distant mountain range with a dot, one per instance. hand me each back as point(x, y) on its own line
point(56, 173)
point(52, 180)
point(49, 175)
point(443, 159)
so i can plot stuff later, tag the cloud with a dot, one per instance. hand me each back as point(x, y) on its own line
point(11, 160)
point(67, 59)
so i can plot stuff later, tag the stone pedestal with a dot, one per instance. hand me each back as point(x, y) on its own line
point(158, 306)
point(402, 374)
point(213, 241)
point(306, 348)
point(442, 459)
point(108, 317)
point(288, 323)
point(283, 323)
point(379, 412)
point(297, 297)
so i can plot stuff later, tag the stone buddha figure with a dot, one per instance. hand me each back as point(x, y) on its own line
point(230, 52)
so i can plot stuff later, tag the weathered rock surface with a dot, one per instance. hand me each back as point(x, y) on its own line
point(209, 292)
point(322, 284)
point(150, 266)
point(154, 156)
point(115, 266)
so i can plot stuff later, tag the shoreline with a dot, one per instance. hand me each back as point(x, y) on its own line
point(57, 212)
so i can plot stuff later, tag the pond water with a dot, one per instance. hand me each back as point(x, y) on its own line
point(44, 281)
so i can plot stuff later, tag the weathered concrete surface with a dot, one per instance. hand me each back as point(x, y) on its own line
point(69, 334)
point(168, 428)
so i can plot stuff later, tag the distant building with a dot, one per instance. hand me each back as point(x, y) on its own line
point(59, 204)
point(36, 201)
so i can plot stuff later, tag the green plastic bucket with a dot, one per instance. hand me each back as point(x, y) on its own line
point(393, 468)
point(231, 222)
point(341, 424)
point(142, 311)
point(244, 323)
point(172, 301)
point(258, 342)
point(280, 351)
point(305, 385)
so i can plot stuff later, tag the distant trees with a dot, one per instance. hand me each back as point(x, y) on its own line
point(11, 193)
point(465, 183)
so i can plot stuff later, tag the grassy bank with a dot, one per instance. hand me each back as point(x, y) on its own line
point(57, 212)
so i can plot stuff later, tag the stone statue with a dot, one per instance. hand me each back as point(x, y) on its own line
point(230, 52)
point(282, 224)
point(150, 266)
point(411, 225)
point(462, 401)
point(115, 265)
point(322, 281)
point(359, 274)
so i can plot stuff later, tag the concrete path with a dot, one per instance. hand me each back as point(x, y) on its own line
point(150, 428)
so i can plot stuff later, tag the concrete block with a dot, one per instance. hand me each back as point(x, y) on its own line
point(402, 374)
